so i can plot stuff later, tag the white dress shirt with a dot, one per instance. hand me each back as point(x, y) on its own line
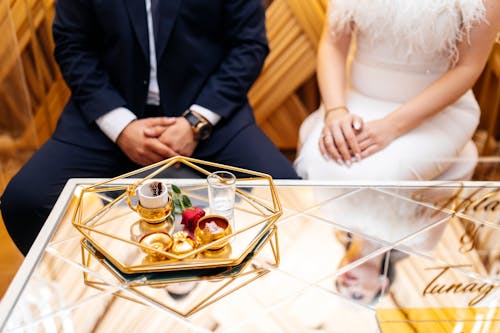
point(113, 122)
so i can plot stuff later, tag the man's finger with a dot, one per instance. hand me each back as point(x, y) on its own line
point(159, 148)
point(160, 121)
point(154, 131)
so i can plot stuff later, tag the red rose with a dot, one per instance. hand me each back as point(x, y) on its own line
point(190, 217)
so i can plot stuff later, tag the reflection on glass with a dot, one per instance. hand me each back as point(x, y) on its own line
point(370, 216)
point(180, 290)
point(370, 279)
point(380, 215)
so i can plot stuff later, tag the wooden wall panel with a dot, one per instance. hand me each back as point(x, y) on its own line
point(279, 97)
point(282, 125)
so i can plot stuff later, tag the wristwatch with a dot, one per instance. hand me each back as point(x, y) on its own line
point(201, 127)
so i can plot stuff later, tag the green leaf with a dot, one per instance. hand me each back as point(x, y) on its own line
point(176, 189)
point(180, 201)
point(185, 201)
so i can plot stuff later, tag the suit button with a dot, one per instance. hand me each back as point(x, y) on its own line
point(145, 82)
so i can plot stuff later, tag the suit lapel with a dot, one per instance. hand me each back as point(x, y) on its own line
point(137, 14)
point(168, 13)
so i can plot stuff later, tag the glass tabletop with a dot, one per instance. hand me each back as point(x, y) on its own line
point(343, 256)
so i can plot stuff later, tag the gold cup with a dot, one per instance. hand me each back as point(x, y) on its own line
point(157, 241)
point(211, 228)
point(154, 215)
point(150, 215)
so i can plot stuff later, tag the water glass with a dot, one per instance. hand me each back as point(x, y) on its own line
point(221, 194)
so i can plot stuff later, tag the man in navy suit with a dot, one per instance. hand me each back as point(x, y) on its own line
point(150, 79)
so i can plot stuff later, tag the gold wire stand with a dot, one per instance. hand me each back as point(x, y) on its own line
point(229, 283)
point(115, 246)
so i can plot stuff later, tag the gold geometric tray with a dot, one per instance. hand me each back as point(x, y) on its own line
point(209, 285)
point(108, 228)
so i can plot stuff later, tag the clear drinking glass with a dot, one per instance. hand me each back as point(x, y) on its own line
point(221, 194)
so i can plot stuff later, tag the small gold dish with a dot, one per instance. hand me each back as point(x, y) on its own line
point(211, 228)
point(158, 241)
point(182, 244)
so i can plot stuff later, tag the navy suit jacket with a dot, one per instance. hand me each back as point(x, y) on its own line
point(209, 53)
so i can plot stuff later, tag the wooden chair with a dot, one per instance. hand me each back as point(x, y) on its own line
point(488, 92)
point(285, 92)
point(32, 91)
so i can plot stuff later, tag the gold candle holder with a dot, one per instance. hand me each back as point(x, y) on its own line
point(211, 228)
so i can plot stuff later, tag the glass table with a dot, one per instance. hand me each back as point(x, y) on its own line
point(345, 257)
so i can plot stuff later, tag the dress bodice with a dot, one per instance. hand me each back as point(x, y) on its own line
point(406, 44)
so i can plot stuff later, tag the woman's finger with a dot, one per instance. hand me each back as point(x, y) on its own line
point(331, 150)
point(322, 147)
point(340, 143)
point(357, 123)
point(352, 142)
point(363, 144)
point(372, 149)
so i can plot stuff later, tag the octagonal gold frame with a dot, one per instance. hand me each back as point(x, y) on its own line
point(268, 212)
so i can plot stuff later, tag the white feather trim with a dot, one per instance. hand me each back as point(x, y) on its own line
point(415, 26)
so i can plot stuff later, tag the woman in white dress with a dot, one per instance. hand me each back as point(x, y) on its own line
point(408, 109)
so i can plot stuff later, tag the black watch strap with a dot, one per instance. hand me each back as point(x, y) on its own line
point(191, 118)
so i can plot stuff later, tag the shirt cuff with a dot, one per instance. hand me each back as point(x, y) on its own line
point(212, 117)
point(113, 122)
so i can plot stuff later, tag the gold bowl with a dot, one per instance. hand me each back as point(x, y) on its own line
point(158, 241)
point(223, 252)
point(211, 228)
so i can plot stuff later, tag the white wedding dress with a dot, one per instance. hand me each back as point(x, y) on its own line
point(402, 47)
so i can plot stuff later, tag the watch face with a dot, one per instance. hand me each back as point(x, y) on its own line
point(204, 131)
